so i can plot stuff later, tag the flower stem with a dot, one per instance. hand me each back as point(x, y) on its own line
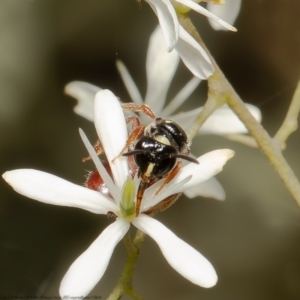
point(124, 286)
point(290, 123)
point(220, 91)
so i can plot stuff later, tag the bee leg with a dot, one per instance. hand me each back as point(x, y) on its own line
point(144, 108)
point(163, 205)
point(140, 195)
point(169, 177)
point(134, 120)
point(98, 148)
point(134, 135)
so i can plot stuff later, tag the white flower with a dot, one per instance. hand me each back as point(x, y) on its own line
point(160, 70)
point(88, 269)
point(192, 54)
point(168, 21)
point(175, 37)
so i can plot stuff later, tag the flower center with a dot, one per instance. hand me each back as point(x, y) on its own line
point(127, 204)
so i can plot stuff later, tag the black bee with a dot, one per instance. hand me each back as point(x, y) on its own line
point(153, 152)
point(156, 149)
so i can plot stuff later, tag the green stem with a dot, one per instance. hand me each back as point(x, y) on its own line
point(124, 286)
point(290, 123)
point(221, 89)
point(207, 110)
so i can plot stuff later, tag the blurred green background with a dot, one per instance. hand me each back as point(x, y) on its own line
point(252, 239)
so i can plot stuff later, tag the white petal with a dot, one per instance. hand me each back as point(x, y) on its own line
point(225, 121)
point(129, 83)
point(181, 256)
point(161, 67)
point(84, 93)
point(193, 55)
point(210, 164)
point(200, 9)
point(181, 97)
point(228, 12)
point(168, 21)
point(90, 266)
point(209, 188)
point(222, 121)
point(51, 189)
point(111, 128)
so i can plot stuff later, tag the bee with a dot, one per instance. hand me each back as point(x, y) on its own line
point(156, 149)
point(154, 152)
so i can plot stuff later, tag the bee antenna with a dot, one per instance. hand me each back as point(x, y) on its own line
point(134, 152)
point(188, 158)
